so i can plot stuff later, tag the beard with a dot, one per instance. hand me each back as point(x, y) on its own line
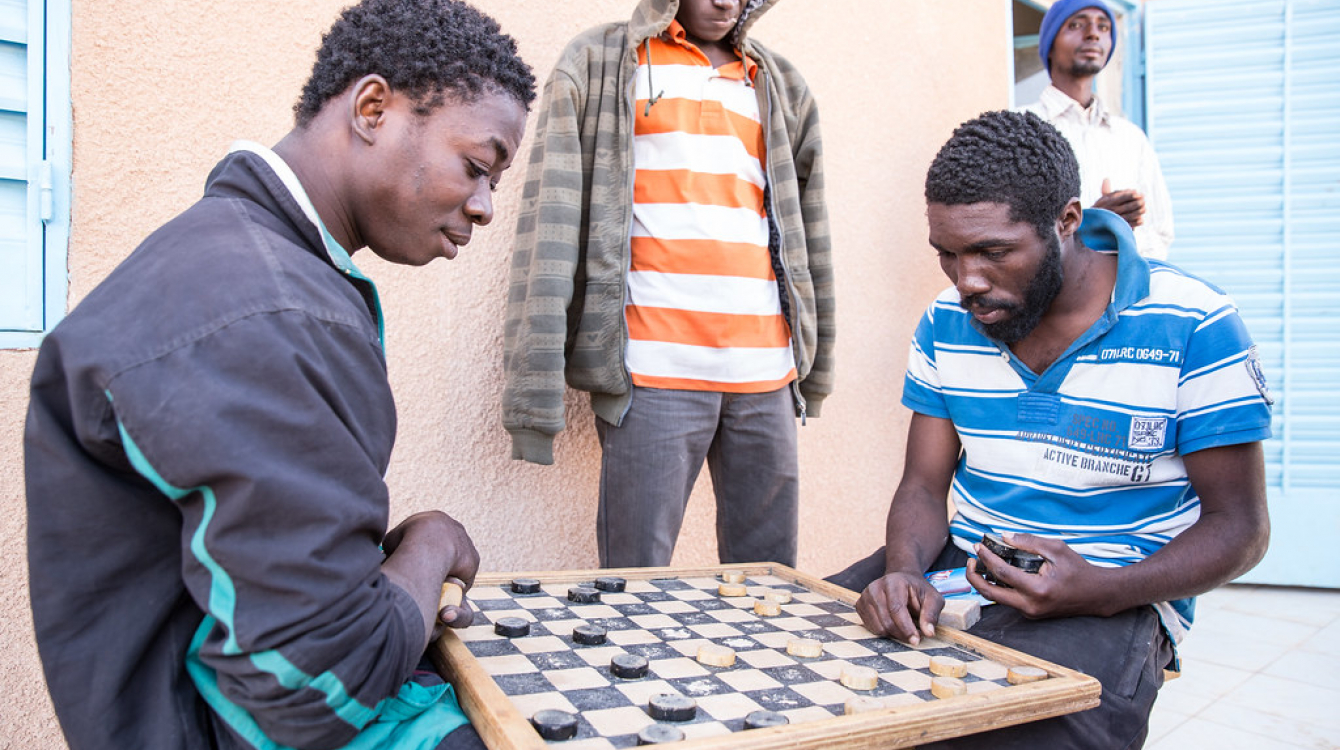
point(1086, 68)
point(1024, 317)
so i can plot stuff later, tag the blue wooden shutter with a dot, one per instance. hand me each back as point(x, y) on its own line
point(1244, 110)
point(34, 166)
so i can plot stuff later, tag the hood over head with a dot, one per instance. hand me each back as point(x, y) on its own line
point(651, 17)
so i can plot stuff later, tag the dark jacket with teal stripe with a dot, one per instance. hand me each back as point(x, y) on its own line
point(207, 435)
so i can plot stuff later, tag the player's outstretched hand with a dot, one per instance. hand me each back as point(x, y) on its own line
point(1128, 204)
point(901, 606)
point(1066, 585)
point(423, 552)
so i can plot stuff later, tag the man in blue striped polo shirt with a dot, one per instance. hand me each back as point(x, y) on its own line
point(1090, 406)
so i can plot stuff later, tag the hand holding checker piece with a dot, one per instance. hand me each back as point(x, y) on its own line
point(666, 615)
point(1013, 556)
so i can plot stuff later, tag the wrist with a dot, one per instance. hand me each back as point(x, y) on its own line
point(908, 559)
point(905, 567)
point(1119, 590)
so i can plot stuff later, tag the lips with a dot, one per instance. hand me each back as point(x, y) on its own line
point(987, 313)
point(452, 244)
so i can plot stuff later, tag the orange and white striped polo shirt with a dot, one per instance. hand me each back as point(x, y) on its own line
point(703, 310)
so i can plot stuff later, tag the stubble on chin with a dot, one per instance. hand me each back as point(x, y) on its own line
point(1083, 69)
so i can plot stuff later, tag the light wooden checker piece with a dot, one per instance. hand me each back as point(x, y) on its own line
point(668, 615)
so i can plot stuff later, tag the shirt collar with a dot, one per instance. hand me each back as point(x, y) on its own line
point(339, 257)
point(1105, 232)
point(1056, 102)
point(676, 33)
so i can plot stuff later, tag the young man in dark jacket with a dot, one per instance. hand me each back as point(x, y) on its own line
point(208, 430)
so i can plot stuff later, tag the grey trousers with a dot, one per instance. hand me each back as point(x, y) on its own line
point(650, 462)
point(1126, 652)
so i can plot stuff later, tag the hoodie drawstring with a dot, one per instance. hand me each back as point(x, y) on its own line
point(653, 95)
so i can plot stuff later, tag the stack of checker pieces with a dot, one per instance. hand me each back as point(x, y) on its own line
point(670, 615)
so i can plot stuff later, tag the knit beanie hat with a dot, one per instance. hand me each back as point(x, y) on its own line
point(1057, 15)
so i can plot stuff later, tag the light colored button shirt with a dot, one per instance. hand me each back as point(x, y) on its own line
point(1111, 147)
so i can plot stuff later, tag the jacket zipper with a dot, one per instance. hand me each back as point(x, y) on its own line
point(797, 349)
point(631, 96)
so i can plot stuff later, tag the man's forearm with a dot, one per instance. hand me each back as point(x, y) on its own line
point(918, 521)
point(1229, 538)
point(424, 551)
point(415, 573)
point(916, 531)
point(1214, 551)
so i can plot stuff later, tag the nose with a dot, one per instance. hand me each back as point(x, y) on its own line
point(479, 207)
point(969, 278)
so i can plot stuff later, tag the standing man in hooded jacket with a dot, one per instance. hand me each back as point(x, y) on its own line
point(673, 260)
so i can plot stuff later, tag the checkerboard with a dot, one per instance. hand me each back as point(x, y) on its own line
point(666, 617)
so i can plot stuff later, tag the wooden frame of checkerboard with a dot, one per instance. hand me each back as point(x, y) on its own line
point(503, 727)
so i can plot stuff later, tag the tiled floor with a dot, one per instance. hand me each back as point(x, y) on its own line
point(1261, 670)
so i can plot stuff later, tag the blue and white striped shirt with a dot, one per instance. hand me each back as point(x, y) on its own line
point(1089, 451)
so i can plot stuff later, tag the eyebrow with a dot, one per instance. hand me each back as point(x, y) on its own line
point(991, 242)
point(499, 149)
point(980, 245)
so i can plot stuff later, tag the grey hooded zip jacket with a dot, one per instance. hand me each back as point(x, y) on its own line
point(565, 307)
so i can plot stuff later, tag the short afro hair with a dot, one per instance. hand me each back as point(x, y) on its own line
point(425, 49)
point(1014, 158)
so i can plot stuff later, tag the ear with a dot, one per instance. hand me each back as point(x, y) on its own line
point(369, 96)
point(1069, 220)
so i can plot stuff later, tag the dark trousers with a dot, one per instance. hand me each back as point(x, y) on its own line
point(1126, 653)
point(650, 462)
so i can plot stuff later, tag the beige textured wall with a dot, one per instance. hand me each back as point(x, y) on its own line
point(162, 88)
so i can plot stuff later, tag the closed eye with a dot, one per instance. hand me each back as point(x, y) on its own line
point(478, 172)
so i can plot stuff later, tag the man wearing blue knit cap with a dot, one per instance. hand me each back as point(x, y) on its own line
point(1119, 170)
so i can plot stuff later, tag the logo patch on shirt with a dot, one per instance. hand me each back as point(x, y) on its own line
point(1253, 363)
point(1147, 433)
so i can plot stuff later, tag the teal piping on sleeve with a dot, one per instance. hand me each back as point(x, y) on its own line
point(422, 715)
